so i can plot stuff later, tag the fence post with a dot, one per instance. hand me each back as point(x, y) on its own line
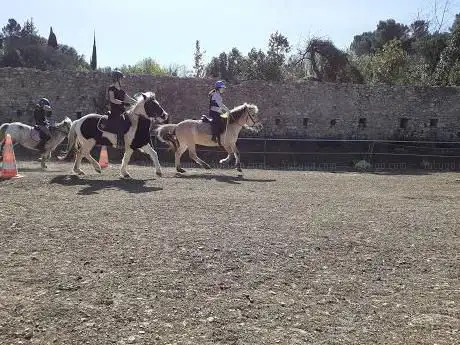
point(265, 153)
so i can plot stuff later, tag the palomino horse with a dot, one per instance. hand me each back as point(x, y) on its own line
point(86, 132)
point(189, 133)
point(29, 137)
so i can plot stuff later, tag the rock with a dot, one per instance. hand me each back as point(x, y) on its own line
point(28, 334)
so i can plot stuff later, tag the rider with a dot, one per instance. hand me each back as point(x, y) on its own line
point(118, 99)
point(42, 111)
point(216, 108)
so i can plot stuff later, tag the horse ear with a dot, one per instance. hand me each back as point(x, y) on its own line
point(144, 95)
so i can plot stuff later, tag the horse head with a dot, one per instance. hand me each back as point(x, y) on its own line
point(64, 125)
point(247, 116)
point(148, 106)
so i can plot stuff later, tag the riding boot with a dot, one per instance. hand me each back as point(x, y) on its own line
point(41, 145)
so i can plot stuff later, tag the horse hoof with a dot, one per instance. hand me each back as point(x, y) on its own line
point(207, 167)
point(126, 176)
point(180, 170)
point(80, 173)
point(159, 174)
point(239, 169)
point(99, 171)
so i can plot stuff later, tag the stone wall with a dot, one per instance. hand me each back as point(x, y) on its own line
point(303, 109)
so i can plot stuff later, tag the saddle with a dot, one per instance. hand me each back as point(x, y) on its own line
point(37, 134)
point(105, 124)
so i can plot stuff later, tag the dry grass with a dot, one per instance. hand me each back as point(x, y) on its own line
point(273, 258)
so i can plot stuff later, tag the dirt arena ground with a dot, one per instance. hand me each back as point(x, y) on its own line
point(274, 257)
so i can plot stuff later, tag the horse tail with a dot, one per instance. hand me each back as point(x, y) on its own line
point(71, 141)
point(167, 135)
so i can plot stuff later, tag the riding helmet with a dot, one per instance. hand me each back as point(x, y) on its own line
point(220, 84)
point(44, 103)
point(117, 75)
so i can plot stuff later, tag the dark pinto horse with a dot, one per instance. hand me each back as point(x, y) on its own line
point(88, 131)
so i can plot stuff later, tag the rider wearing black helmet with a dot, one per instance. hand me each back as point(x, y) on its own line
point(118, 99)
point(42, 111)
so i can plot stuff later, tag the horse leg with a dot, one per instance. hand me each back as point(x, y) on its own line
point(43, 159)
point(85, 152)
point(94, 163)
point(124, 163)
point(179, 152)
point(154, 156)
point(193, 155)
point(229, 156)
point(236, 153)
point(76, 166)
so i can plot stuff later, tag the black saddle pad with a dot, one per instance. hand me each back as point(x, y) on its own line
point(114, 124)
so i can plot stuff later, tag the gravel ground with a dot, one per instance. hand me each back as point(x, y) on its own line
point(274, 257)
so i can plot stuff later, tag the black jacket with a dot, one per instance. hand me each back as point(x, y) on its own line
point(40, 116)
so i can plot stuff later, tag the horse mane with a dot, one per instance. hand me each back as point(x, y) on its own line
point(238, 111)
point(66, 120)
point(139, 97)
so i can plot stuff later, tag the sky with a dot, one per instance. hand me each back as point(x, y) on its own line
point(166, 30)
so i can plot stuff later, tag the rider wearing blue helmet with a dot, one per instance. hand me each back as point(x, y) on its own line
point(216, 109)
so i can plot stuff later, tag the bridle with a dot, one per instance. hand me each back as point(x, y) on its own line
point(250, 117)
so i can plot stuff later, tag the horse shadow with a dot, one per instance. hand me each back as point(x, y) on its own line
point(94, 186)
point(223, 178)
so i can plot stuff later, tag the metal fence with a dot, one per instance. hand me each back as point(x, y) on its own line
point(336, 154)
point(324, 154)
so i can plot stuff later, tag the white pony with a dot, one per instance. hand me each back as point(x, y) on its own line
point(29, 137)
point(88, 131)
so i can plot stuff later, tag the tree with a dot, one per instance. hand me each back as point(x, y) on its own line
point(363, 44)
point(11, 29)
point(145, 66)
point(430, 49)
point(29, 28)
point(93, 61)
point(23, 47)
point(327, 63)
point(387, 30)
point(52, 41)
point(198, 67)
point(390, 30)
point(419, 29)
point(449, 58)
point(388, 63)
point(235, 64)
point(228, 67)
point(278, 47)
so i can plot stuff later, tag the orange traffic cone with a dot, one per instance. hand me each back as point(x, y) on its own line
point(8, 169)
point(104, 158)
